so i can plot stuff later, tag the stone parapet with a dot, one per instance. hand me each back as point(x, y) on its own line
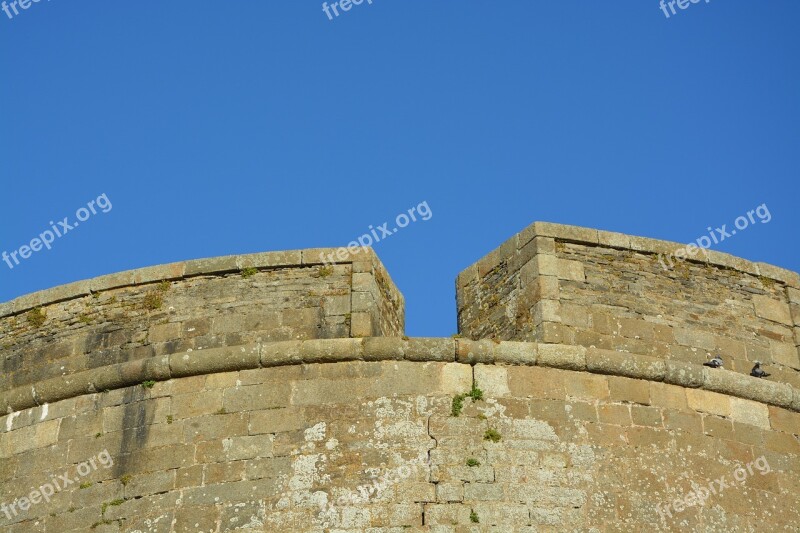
point(571, 285)
point(142, 315)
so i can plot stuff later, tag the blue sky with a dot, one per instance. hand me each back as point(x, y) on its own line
point(217, 128)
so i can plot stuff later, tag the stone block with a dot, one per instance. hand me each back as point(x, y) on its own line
point(270, 259)
point(646, 416)
point(668, 396)
point(330, 350)
point(678, 420)
point(449, 492)
point(516, 353)
point(623, 389)
point(281, 353)
point(257, 397)
point(565, 232)
point(587, 386)
point(361, 325)
point(785, 354)
point(784, 420)
point(196, 404)
point(473, 352)
point(562, 356)
point(571, 270)
point(537, 382)
point(212, 265)
point(684, 374)
point(455, 378)
point(750, 412)
point(792, 279)
point(493, 380)
point(164, 332)
point(158, 273)
point(214, 360)
point(771, 309)
point(625, 364)
point(616, 414)
point(430, 349)
point(383, 348)
point(695, 338)
point(613, 240)
point(709, 402)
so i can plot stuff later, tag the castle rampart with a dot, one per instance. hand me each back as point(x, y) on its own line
point(270, 393)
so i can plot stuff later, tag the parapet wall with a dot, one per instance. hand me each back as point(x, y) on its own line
point(571, 285)
point(144, 314)
point(272, 393)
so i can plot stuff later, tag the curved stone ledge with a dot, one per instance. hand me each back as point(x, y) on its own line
point(483, 352)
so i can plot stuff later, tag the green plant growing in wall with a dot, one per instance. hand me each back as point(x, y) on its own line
point(153, 301)
point(458, 404)
point(125, 479)
point(325, 271)
point(473, 517)
point(249, 272)
point(149, 384)
point(112, 503)
point(768, 283)
point(36, 317)
point(473, 462)
point(475, 394)
point(492, 435)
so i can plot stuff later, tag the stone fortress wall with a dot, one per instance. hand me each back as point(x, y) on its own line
point(273, 393)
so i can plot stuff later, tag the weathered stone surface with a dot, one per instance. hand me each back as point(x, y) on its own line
point(621, 364)
point(562, 356)
point(772, 309)
point(214, 360)
point(631, 294)
point(244, 402)
point(684, 374)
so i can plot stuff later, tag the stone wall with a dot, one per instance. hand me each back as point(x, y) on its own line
point(196, 305)
point(564, 284)
point(366, 440)
point(273, 393)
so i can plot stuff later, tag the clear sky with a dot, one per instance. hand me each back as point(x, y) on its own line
point(226, 127)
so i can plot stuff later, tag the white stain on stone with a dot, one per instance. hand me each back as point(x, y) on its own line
point(316, 433)
point(45, 409)
point(10, 420)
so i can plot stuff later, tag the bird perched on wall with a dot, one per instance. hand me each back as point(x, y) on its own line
point(758, 372)
point(716, 362)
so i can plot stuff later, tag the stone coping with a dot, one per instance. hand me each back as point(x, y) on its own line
point(187, 269)
point(452, 350)
point(621, 241)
